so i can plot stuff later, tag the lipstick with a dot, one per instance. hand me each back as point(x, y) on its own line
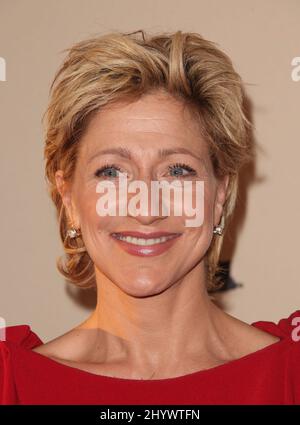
point(156, 248)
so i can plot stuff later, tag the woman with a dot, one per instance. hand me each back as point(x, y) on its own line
point(161, 108)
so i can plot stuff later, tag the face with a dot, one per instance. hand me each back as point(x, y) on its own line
point(142, 129)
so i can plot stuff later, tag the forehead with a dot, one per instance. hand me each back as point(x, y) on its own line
point(155, 118)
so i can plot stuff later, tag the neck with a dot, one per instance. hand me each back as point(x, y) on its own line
point(158, 331)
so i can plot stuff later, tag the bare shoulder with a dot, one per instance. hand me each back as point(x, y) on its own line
point(68, 345)
point(248, 338)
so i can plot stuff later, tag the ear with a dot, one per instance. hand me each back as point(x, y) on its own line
point(65, 190)
point(222, 185)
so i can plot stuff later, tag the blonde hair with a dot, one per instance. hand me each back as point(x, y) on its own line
point(119, 66)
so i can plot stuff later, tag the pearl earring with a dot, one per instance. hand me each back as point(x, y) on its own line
point(219, 229)
point(73, 233)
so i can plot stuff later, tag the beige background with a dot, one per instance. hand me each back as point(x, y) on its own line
point(262, 38)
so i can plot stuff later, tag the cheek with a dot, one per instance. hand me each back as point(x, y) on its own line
point(88, 216)
point(199, 236)
point(94, 227)
point(209, 200)
point(202, 206)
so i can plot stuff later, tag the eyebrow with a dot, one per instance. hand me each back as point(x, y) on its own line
point(125, 153)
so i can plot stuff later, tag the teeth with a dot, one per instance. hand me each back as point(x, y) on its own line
point(143, 242)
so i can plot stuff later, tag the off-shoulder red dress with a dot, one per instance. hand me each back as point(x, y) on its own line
point(270, 375)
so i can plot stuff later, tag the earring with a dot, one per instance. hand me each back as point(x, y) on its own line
point(219, 229)
point(73, 233)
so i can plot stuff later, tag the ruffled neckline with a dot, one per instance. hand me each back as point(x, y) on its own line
point(25, 339)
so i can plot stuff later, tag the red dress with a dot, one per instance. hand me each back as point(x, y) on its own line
point(270, 375)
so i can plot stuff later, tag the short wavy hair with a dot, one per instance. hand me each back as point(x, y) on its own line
point(124, 66)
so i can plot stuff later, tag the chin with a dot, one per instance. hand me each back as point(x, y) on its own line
point(142, 289)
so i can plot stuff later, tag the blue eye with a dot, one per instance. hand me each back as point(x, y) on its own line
point(108, 167)
point(109, 170)
point(177, 166)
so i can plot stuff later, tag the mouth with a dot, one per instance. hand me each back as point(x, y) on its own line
point(145, 244)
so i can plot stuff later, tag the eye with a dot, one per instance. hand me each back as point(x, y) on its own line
point(108, 171)
point(177, 166)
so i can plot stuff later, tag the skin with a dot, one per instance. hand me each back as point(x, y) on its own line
point(154, 318)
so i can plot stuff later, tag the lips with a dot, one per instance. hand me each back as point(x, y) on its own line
point(146, 250)
point(151, 235)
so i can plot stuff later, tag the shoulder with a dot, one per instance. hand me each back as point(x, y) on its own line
point(20, 335)
point(288, 327)
point(71, 345)
point(10, 337)
point(244, 338)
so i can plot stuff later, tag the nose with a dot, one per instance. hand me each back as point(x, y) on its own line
point(143, 206)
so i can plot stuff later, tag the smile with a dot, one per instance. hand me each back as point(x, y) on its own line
point(145, 246)
point(142, 241)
